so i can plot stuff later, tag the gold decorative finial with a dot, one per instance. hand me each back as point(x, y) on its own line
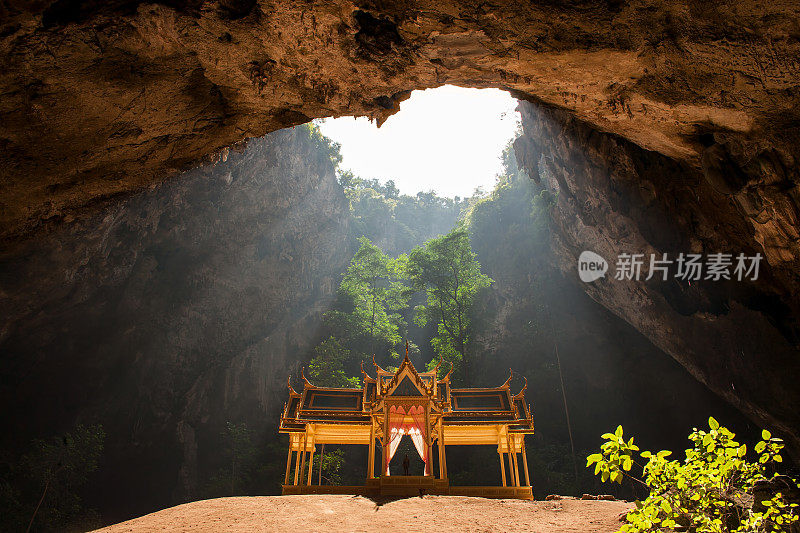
point(525, 386)
point(448, 373)
point(364, 372)
point(303, 374)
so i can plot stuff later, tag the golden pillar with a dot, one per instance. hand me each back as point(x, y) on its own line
point(442, 446)
point(385, 442)
point(297, 464)
point(288, 464)
point(310, 464)
point(321, 455)
point(442, 474)
point(371, 452)
point(303, 455)
point(512, 459)
point(525, 463)
point(428, 471)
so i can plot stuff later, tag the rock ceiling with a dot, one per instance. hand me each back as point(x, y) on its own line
point(103, 98)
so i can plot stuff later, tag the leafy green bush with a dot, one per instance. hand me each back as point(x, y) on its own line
point(332, 463)
point(323, 144)
point(713, 489)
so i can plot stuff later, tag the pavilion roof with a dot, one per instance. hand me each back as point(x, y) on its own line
point(355, 405)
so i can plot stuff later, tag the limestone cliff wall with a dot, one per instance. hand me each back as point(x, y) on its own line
point(739, 338)
point(173, 312)
point(537, 319)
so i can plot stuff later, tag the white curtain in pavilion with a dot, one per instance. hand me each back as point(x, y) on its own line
point(396, 432)
point(418, 436)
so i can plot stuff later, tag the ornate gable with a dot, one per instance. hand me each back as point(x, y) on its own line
point(407, 382)
point(406, 388)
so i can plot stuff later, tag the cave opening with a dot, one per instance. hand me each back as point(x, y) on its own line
point(448, 140)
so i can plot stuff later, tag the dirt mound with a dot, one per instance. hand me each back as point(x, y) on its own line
point(355, 513)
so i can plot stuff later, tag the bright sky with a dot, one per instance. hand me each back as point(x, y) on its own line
point(448, 139)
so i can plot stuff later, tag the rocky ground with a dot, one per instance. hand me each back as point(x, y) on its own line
point(355, 513)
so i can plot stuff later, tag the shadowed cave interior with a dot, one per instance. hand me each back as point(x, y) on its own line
point(174, 231)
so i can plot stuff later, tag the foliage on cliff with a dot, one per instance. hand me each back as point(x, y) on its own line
point(324, 146)
point(509, 232)
point(398, 222)
point(376, 294)
point(41, 491)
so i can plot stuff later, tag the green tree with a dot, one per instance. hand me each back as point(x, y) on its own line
point(327, 368)
point(714, 489)
point(241, 451)
point(447, 270)
point(375, 292)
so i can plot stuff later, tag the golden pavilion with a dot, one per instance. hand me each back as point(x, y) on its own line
point(419, 405)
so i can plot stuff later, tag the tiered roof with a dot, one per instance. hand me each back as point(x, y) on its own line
point(463, 406)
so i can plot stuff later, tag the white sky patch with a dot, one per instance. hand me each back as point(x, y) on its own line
point(448, 140)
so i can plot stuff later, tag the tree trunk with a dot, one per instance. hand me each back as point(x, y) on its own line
point(465, 362)
point(46, 486)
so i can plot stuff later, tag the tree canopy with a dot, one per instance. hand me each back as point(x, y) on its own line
point(447, 270)
point(397, 222)
point(371, 294)
point(327, 368)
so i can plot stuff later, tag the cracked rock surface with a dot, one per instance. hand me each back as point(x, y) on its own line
point(103, 98)
point(612, 197)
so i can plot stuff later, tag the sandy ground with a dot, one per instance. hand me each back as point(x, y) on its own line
point(356, 513)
